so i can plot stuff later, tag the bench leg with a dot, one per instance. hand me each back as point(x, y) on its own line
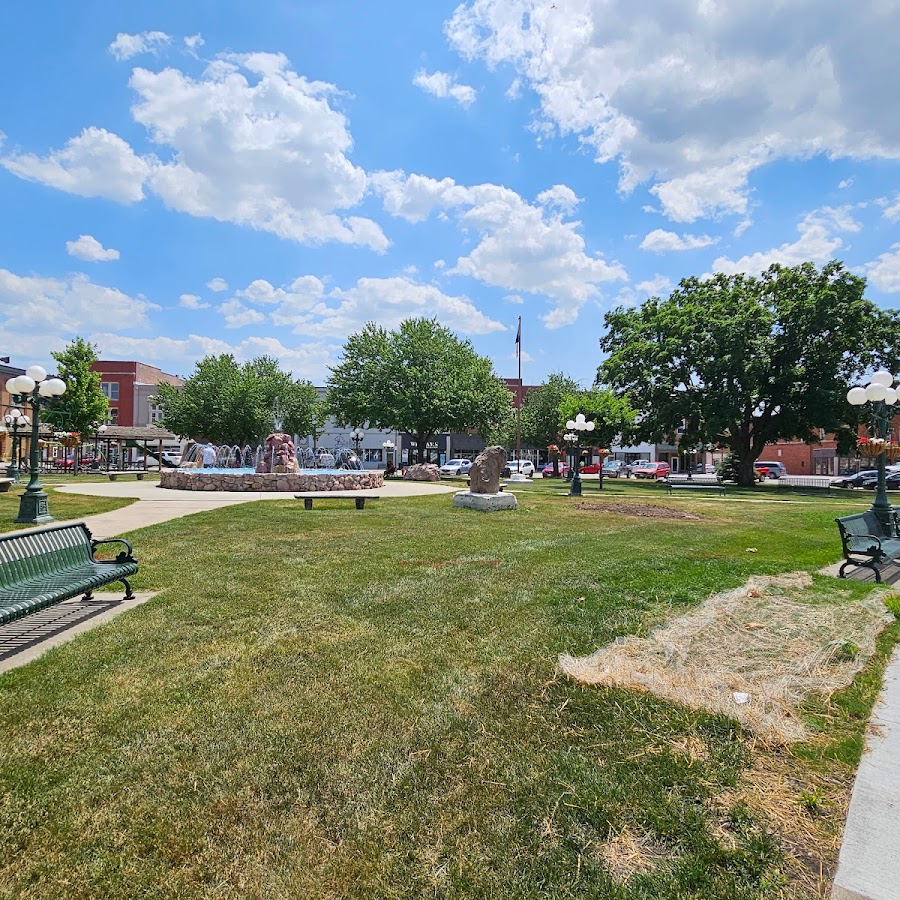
point(360, 502)
point(867, 565)
point(140, 476)
point(88, 596)
point(307, 502)
point(129, 593)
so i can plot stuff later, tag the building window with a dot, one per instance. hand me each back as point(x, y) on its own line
point(114, 415)
point(110, 389)
point(372, 455)
point(156, 413)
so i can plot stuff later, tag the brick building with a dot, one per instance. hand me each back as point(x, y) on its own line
point(130, 387)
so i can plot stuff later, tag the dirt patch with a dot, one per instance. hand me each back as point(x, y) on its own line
point(645, 510)
point(755, 653)
point(632, 852)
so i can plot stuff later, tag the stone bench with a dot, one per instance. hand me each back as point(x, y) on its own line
point(359, 498)
point(6, 484)
point(114, 475)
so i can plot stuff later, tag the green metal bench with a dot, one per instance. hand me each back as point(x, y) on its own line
point(48, 565)
point(866, 542)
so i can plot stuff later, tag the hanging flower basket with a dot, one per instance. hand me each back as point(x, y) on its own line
point(603, 452)
point(68, 438)
point(892, 452)
point(872, 446)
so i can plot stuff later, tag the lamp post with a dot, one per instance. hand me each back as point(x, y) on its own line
point(388, 452)
point(99, 428)
point(882, 395)
point(15, 421)
point(36, 389)
point(356, 436)
point(577, 427)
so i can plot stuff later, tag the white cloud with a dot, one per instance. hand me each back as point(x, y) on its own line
point(891, 208)
point(97, 163)
point(217, 284)
point(742, 226)
point(249, 142)
point(125, 46)
point(90, 249)
point(192, 301)
point(179, 355)
point(237, 315)
point(440, 84)
point(305, 307)
point(193, 42)
point(254, 143)
point(884, 272)
point(522, 247)
point(845, 183)
point(560, 196)
point(514, 298)
point(655, 287)
point(817, 243)
point(660, 241)
point(74, 305)
point(693, 97)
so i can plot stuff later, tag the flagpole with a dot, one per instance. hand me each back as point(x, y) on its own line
point(519, 392)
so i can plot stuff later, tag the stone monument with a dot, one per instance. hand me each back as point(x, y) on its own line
point(484, 483)
point(423, 472)
point(278, 455)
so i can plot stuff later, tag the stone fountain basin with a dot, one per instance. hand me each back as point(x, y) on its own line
point(248, 480)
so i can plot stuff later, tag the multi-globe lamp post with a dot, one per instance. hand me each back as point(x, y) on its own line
point(15, 421)
point(577, 427)
point(882, 394)
point(357, 436)
point(36, 389)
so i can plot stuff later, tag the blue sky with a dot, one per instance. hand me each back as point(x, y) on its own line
point(178, 179)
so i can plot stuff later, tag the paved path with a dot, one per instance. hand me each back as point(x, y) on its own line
point(155, 504)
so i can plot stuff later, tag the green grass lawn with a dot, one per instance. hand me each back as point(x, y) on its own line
point(61, 505)
point(339, 703)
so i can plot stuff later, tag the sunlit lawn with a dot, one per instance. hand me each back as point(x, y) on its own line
point(343, 703)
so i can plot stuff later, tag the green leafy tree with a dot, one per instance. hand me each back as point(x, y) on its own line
point(228, 403)
point(740, 361)
point(84, 404)
point(611, 414)
point(539, 416)
point(420, 379)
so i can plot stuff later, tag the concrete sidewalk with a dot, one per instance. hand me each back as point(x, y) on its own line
point(869, 862)
point(155, 504)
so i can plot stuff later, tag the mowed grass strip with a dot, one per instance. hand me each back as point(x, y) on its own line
point(343, 703)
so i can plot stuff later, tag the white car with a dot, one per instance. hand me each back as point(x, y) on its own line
point(522, 466)
point(456, 467)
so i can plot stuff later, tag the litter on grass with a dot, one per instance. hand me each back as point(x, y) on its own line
point(754, 653)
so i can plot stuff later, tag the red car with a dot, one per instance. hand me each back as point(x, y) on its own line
point(547, 471)
point(591, 468)
point(652, 470)
point(69, 462)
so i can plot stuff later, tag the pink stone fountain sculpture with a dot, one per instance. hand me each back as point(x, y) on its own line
point(278, 455)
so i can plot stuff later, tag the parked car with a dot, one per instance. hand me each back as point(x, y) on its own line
point(776, 469)
point(523, 466)
point(615, 468)
point(456, 467)
point(652, 470)
point(172, 458)
point(634, 464)
point(68, 462)
point(703, 469)
point(891, 482)
point(762, 472)
point(854, 481)
point(589, 469)
point(563, 469)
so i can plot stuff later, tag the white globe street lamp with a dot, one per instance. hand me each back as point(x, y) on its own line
point(37, 390)
point(882, 394)
point(357, 436)
point(577, 427)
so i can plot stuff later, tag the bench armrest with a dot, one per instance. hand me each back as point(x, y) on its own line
point(862, 542)
point(122, 556)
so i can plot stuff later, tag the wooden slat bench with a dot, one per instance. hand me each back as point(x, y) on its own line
point(704, 483)
point(866, 542)
point(48, 565)
point(359, 498)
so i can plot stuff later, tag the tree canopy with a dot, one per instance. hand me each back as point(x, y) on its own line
point(83, 405)
point(741, 361)
point(420, 379)
point(228, 403)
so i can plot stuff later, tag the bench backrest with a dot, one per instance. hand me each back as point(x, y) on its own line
point(40, 552)
point(861, 524)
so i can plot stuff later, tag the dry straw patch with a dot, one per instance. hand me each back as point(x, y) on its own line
point(631, 852)
point(754, 653)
